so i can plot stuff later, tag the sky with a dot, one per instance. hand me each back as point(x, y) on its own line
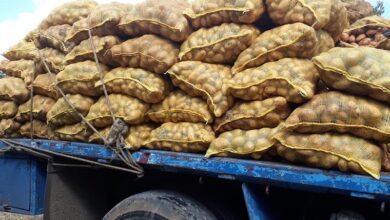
point(18, 17)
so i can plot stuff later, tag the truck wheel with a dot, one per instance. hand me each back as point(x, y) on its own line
point(159, 205)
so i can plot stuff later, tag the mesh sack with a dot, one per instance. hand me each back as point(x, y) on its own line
point(54, 37)
point(215, 12)
point(44, 84)
point(204, 80)
point(22, 50)
point(334, 111)
point(129, 109)
point(80, 78)
point(164, 18)
point(148, 52)
point(181, 137)
point(325, 42)
point(338, 20)
point(24, 69)
point(369, 31)
point(8, 109)
point(40, 130)
point(9, 128)
point(314, 13)
point(241, 143)
point(30, 35)
point(74, 132)
point(253, 115)
point(102, 21)
point(329, 150)
point(386, 157)
point(68, 13)
point(41, 105)
point(357, 9)
point(293, 79)
point(55, 60)
point(180, 107)
point(62, 114)
point(361, 71)
point(13, 89)
point(291, 40)
point(83, 51)
point(136, 82)
point(220, 44)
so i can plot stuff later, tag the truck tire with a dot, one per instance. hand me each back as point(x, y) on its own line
point(159, 205)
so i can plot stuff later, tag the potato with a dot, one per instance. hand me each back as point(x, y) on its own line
point(338, 20)
point(243, 143)
point(41, 105)
point(83, 51)
point(148, 52)
point(74, 132)
point(253, 115)
point(294, 79)
point(22, 50)
point(386, 157)
point(80, 78)
point(360, 71)
point(68, 13)
point(24, 69)
point(158, 17)
point(55, 60)
point(40, 130)
point(8, 109)
point(220, 44)
point(216, 12)
point(44, 84)
point(180, 107)
point(62, 114)
point(54, 37)
point(291, 40)
point(205, 80)
point(102, 21)
point(333, 150)
point(9, 128)
point(129, 109)
point(13, 89)
point(357, 9)
point(136, 82)
point(182, 136)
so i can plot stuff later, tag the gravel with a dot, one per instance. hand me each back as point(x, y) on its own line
point(13, 216)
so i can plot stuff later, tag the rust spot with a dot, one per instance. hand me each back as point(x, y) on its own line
point(144, 158)
point(249, 169)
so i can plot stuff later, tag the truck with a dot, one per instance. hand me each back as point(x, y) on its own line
point(70, 180)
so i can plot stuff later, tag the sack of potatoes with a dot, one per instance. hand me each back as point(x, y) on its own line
point(72, 132)
point(54, 59)
point(220, 44)
point(134, 140)
point(68, 13)
point(80, 78)
point(293, 79)
point(24, 69)
point(13, 89)
point(9, 128)
point(8, 109)
point(44, 84)
point(130, 110)
point(181, 137)
point(102, 21)
point(253, 115)
point(361, 71)
point(243, 143)
point(357, 9)
point(205, 80)
point(335, 111)
point(63, 114)
point(329, 15)
point(148, 52)
point(373, 31)
point(41, 105)
point(40, 130)
point(83, 51)
point(54, 37)
point(180, 107)
point(288, 41)
point(331, 150)
point(215, 12)
point(139, 83)
point(160, 17)
point(22, 50)
point(386, 157)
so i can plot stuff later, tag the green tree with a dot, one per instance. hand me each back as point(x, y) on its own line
point(379, 9)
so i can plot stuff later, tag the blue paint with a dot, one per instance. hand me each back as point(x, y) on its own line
point(256, 204)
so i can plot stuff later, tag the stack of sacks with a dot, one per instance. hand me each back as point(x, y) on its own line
point(357, 9)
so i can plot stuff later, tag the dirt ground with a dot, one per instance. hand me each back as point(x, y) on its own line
point(13, 216)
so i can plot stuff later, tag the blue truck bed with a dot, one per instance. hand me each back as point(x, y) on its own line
point(261, 172)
